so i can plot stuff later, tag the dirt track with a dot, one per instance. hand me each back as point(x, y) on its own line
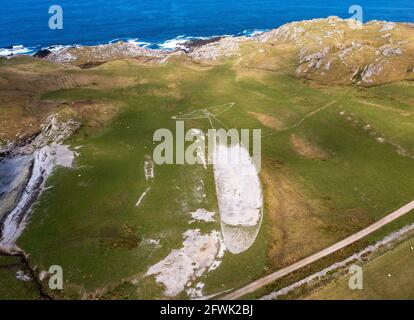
point(255, 285)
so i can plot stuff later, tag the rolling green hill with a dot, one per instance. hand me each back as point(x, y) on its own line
point(337, 151)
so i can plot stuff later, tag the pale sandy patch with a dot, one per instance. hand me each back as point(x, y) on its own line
point(200, 252)
point(306, 148)
point(142, 196)
point(149, 169)
point(266, 120)
point(239, 195)
point(202, 215)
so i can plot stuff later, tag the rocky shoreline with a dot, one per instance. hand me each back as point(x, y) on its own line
point(27, 166)
point(24, 169)
point(90, 56)
point(329, 50)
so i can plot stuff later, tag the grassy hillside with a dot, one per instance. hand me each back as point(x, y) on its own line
point(334, 160)
point(386, 277)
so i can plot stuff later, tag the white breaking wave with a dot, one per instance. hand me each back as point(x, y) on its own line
point(254, 32)
point(143, 44)
point(170, 44)
point(57, 48)
point(180, 42)
point(175, 43)
point(6, 52)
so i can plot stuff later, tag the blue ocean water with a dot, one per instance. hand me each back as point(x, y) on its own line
point(87, 22)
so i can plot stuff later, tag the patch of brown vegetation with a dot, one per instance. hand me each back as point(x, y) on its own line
point(91, 64)
point(114, 238)
point(296, 230)
point(302, 223)
point(266, 57)
point(94, 114)
point(306, 148)
point(266, 120)
point(252, 74)
point(118, 243)
point(401, 112)
point(166, 92)
point(25, 81)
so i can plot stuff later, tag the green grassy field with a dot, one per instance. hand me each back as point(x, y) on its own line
point(12, 288)
point(388, 276)
point(334, 179)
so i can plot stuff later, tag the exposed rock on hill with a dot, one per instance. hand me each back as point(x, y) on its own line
point(341, 51)
point(330, 50)
point(84, 55)
point(223, 48)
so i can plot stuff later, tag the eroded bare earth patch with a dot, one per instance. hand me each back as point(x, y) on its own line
point(306, 148)
point(267, 120)
point(295, 230)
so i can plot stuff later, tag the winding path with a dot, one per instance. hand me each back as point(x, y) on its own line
point(257, 284)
